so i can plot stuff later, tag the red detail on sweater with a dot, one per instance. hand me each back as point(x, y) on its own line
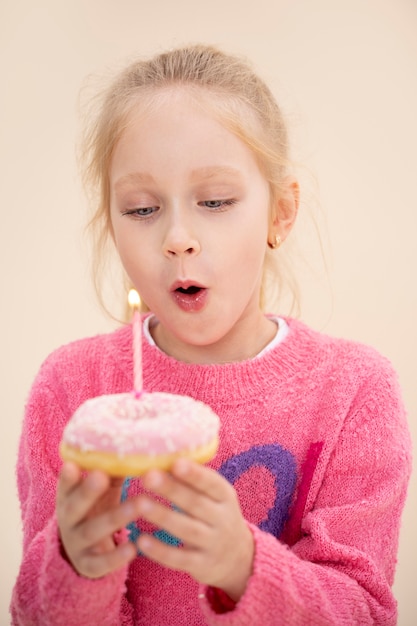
point(219, 600)
point(292, 532)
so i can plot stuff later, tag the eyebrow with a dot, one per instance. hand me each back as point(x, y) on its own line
point(201, 173)
point(133, 177)
point(215, 171)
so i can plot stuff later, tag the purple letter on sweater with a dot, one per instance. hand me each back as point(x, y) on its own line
point(281, 464)
point(278, 461)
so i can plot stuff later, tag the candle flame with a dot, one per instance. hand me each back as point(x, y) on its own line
point(133, 298)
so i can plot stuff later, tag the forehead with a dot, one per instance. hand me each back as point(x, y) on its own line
point(193, 119)
point(178, 146)
point(226, 109)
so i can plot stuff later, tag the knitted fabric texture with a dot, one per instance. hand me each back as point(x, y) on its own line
point(313, 438)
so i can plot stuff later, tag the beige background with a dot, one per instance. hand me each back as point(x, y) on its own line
point(345, 72)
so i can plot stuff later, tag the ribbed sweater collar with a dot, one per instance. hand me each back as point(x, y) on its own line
point(295, 356)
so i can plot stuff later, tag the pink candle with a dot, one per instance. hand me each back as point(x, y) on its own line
point(134, 302)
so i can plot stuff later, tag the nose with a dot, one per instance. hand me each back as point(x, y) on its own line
point(180, 240)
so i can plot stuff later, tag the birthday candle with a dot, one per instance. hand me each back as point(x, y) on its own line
point(134, 301)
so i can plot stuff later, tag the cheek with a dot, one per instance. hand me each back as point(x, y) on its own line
point(253, 263)
point(250, 268)
point(247, 247)
point(131, 252)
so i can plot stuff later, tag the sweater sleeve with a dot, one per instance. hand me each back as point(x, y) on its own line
point(48, 591)
point(341, 570)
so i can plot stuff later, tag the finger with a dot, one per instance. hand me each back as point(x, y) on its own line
point(94, 531)
point(201, 479)
point(184, 559)
point(69, 477)
point(96, 566)
point(189, 530)
point(111, 497)
point(76, 502)
point(185, 497)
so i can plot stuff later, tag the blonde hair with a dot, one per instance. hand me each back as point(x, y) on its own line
point(239, 99)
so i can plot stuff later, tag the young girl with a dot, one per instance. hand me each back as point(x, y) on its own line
point(296, 520)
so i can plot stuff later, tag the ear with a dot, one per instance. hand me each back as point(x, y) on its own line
point(284, 210)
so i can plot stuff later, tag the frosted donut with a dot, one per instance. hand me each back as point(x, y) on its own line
point(126, 436)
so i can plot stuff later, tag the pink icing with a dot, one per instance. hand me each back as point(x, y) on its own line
point(155, 423)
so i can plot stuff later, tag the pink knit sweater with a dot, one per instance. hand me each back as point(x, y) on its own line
point(314, 439)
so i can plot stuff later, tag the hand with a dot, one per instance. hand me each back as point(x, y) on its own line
point(89, 513)
point(218, 545)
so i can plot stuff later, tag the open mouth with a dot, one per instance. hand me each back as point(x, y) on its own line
point(190, 298)
point(190, 291)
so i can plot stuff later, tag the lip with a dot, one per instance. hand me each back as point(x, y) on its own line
point(184, 284)
point(190, 303)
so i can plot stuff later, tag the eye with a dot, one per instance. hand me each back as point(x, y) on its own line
point(217, 204)
point(142, 211)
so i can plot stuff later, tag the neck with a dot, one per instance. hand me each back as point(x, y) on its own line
point(244, 341)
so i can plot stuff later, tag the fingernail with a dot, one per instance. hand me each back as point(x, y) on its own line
point(126, 551)
point(129, 509)
point(96, 480)
point(144, 543)
point(144, 506)
point(181, 467)
point(68, 469)
point(153, 479)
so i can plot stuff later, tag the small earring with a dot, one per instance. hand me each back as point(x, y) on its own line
point(275, 244)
